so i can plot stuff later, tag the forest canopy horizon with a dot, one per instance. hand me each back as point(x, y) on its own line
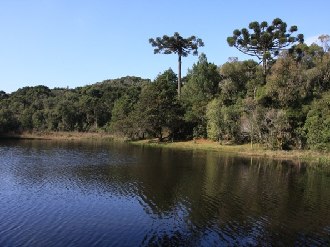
point(281, 104)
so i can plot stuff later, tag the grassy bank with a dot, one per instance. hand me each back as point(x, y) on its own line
point(244, 150)
point(72, 136)
point(200, 144)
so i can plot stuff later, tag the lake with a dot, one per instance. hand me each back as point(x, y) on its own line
point(62, 193)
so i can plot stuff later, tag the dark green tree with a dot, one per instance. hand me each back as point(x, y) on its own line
point(3, 95)
point(8, 122)
point(158, 112)
point(264, 41)
point(179, 45)
point(122, 121)
point(202, 85)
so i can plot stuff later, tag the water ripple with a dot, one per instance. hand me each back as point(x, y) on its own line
point(70, 194)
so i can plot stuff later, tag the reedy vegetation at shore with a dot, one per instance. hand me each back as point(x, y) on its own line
point(258, 150)
point(284, 105)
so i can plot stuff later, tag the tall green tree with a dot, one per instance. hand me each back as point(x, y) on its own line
point(202, 85)
point(158, 111)
point(122, 120)
point(264, 41)
point(179, 45)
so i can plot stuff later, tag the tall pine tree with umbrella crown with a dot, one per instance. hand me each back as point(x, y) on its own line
point(179, 45)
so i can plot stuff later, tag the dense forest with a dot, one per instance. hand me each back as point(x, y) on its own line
point(283, 102)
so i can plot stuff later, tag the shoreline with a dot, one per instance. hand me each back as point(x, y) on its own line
point(198, 144)
point(65, 136)
point(242, 150)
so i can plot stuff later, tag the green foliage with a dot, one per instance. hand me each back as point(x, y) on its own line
point(202, 85)
point(121, 120)
point(176, 44)
point(277, 133)
point(223, 122)
point(3, 95)
point(317, 126)
point(240, 72)
point(214, 120)
point(293, 83)
point(81, 109)
point(158, 112)
point(265, 41)
point(239, 79)
point(287, 83)
point(305, 54)
point(7, 121)
point(320, 74)
point(249, 119)
point(179, 45)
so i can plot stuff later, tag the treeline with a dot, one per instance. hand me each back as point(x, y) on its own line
point(232, 103)
point(87, 108)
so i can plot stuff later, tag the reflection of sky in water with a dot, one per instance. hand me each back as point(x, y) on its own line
point(62, 194)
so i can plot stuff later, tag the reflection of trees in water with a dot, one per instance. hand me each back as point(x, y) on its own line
point(242, 198)
point(197, 193)
point(238, 196)
point(280, 194)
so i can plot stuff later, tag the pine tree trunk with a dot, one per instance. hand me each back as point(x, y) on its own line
point(179, 75)
point(264, 66)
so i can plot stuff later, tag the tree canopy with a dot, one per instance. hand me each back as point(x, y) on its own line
point(263, 40)
point(178, 45)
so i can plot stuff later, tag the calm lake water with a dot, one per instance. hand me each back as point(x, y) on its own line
point(112, 194)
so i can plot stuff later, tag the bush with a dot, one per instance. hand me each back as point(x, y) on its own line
point(317, 126)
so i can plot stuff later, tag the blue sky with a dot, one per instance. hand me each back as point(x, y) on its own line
point(70, 43)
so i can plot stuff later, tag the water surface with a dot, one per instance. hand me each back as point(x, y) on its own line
point(111, 194)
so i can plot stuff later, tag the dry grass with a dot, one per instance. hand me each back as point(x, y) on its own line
point(244, 149)
point(62, 136)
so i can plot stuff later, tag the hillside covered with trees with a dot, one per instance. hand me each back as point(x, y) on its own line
point(283, 102)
